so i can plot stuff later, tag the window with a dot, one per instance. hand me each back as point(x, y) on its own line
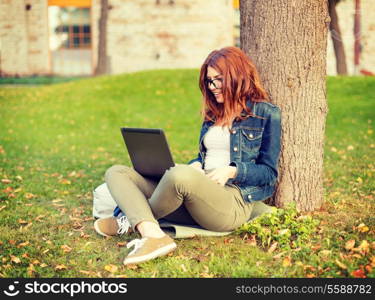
point(78, 36)
point(72, 27)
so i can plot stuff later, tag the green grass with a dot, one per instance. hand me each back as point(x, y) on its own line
point(56, 142)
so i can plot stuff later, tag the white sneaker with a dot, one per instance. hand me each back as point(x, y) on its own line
point(112, 226)
point(149, 248)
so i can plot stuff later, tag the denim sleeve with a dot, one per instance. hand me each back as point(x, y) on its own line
point(264, 170)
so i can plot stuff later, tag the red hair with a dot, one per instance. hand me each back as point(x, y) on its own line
point(241, 81)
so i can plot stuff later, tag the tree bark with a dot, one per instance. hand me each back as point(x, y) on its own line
point(101, 67)
point(287, 40)
point(337, 41)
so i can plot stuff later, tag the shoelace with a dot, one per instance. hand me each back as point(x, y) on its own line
point(123, 225)
point(137, 243)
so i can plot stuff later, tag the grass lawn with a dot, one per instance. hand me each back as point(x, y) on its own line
point(56, 141)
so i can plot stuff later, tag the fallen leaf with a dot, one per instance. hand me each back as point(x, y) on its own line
point(206, 273)
point(43, 265)
point(183, 268)
point(228, 241)
point(309, 268)
point(131, 267)
point(364, 246)
point(84, 235)
point(15, 259)
point(6, 180)
point(22, 222)
point(362, 228)
point(85, 272)
point(66, 248)
point(349, 244)
point(358, 274)
point(60, 267)
point(283, 231)
point(29, 196)
point(316, 247)
point(372, 261)
point(72, 174)
point(273, 247)
point(252, 241)
point(340, 264)
point(325, 253)
point(121, 244)
point(287, 261)
point(111, 268)
point(8, 190)
point(39, 218)
point(201, 258)
point(24, 244)
point(65, 181)
point(368, 268)
point(25, 228)
point(30, 270)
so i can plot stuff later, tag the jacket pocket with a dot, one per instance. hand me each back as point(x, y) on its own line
point(251, 138)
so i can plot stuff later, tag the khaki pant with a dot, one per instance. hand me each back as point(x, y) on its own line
point(183, 195)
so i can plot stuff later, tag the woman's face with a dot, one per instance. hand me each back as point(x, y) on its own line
point(214, 81)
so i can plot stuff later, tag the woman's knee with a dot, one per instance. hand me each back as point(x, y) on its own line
point(181, 174)
point(116, 169)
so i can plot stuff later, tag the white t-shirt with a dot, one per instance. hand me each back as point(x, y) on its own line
point(217, 143)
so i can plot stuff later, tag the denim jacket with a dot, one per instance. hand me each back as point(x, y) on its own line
point(254, 150)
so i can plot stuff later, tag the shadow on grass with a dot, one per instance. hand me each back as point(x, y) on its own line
point(37, 80)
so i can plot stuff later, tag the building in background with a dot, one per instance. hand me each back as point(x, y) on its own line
point(61, 37)
point(345, 11)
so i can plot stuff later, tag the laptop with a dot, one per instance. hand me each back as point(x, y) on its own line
point(148, 150)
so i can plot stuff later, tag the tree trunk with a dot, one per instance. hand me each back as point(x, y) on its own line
point(101, 68)
point(357, 36)
point(287, 40)
point(337, 41)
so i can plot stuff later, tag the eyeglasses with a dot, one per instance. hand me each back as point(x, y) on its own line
point(217, 82)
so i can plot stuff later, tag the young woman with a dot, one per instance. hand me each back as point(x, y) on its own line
point(239, 148)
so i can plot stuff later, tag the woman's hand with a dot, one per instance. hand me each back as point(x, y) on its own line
point(197, 165)
point(221, 175)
